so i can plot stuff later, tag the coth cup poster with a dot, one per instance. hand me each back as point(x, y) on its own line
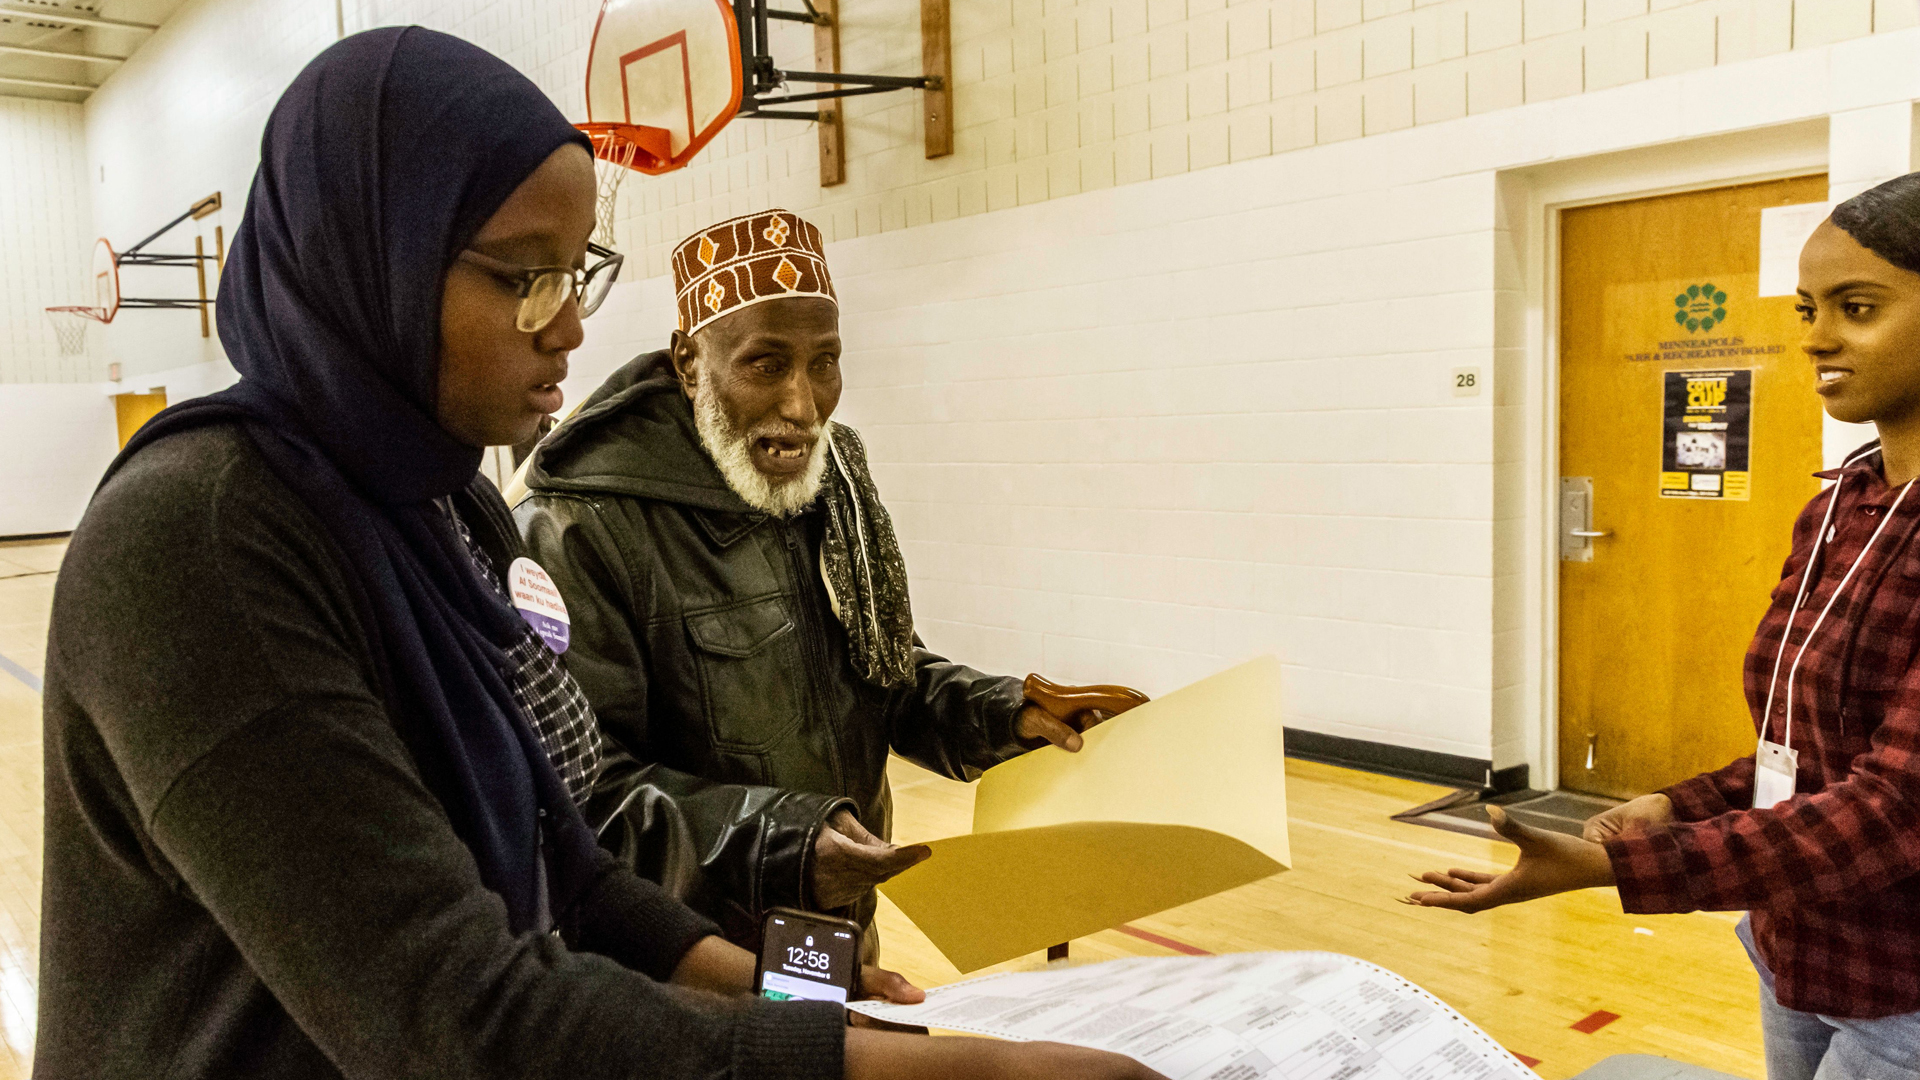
point(1708, 431)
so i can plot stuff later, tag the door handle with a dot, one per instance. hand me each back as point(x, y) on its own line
point(1577, 533)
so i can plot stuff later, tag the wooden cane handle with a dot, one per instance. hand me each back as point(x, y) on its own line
point(1065, 701)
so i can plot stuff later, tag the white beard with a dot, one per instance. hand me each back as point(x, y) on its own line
point(732, 450)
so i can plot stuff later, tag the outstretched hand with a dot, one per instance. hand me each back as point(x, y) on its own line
point(1057, 714)
point(1550, 863)
point(848, 860)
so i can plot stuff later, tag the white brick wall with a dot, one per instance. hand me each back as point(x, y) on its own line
point(1055, 97)
point(44, 236)
point(1143, 433)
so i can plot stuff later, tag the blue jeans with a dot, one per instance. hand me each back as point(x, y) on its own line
point(1809, 1046)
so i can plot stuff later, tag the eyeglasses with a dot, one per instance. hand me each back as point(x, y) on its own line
point(544, 290)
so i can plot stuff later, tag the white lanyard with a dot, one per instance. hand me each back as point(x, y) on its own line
point(1779, 758)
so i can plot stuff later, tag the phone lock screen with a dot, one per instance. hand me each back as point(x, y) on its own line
point(805, 957)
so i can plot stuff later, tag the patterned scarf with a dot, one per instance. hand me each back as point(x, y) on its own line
point(860, 562)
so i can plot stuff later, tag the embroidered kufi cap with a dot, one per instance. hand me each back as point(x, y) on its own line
point(745, 261)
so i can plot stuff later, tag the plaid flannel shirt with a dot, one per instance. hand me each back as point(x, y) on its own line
point(1832, 876)
point(546, 692)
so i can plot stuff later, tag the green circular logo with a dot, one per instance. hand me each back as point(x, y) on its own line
point(1700, 308)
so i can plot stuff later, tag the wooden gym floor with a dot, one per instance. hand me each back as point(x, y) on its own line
point(1564, 982)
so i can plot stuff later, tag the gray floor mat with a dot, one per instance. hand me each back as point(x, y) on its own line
point(1466, 811)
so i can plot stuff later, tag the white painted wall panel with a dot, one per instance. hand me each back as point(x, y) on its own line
point(56, 440)
point(44, 233)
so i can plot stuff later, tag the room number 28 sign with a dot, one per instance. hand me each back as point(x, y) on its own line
point(1707, 431)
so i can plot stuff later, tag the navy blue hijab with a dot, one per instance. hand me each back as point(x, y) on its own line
point(380, 163)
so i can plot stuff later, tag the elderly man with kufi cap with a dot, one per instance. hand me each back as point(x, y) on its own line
point(738, 602)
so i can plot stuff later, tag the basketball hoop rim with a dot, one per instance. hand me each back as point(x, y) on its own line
point(96, 314)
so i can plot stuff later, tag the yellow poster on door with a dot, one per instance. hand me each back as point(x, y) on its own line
point(1706, 434)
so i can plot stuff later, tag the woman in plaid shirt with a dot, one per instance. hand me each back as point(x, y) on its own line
point(1825, 858)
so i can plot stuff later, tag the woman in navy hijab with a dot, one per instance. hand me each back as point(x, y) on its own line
point(302, 812)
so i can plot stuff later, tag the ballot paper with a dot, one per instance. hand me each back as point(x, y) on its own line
point(1172, 801)
point(1244, 1016)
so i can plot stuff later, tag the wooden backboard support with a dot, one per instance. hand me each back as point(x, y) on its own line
point(936, 63)
point(833, 128)
point(937, 97)
point(200, 272)
point(762, 87)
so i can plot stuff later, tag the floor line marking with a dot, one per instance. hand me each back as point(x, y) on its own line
point(1164, 942)
point(1594, 1021)
point(31, 680)
point(1403, 845)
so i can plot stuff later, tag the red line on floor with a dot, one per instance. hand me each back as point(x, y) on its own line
point(1163, 942)
point(1595, 1021)
point(1529, 1062)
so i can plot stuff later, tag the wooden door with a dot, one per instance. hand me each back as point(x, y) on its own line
point(1653, 629)
point(132, 411)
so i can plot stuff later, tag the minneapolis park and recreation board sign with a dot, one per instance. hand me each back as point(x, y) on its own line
point(1698, 309)
point(1704, 350)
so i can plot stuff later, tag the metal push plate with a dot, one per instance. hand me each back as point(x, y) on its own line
point(1576, 517)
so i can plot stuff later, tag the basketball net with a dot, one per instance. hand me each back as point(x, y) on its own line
point(613, 160)
point(70, 326)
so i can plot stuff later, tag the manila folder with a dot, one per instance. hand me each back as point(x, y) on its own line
point(1175, 800)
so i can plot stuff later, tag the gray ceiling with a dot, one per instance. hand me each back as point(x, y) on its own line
point(62, 49)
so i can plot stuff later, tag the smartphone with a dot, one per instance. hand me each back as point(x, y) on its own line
point(803, 955)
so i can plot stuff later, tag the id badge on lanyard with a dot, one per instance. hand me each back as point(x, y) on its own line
point(1776, 764)
point(1774, 770)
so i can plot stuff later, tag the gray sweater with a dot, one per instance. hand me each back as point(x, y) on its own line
point(245, 875)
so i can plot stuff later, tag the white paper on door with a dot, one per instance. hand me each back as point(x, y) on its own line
point(1783, 232)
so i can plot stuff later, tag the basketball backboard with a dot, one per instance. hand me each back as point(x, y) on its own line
point(668, 70)
point(106, 281)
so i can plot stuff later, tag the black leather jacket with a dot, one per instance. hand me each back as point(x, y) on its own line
point(703, 636)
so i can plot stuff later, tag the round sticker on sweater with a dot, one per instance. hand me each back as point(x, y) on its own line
point(539, 603)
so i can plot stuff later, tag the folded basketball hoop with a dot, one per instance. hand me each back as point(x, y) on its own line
point(70, 320)
point(663, 77)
